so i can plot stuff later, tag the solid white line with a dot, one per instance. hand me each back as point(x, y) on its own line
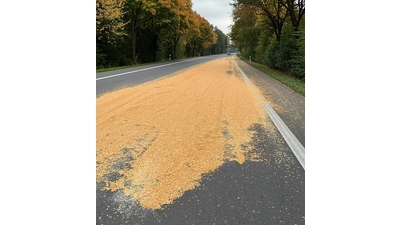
point(287, 134)
point(291, 140)
point(135, 71)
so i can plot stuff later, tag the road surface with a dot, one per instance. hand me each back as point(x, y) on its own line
point(197, 147)
point(139, 75)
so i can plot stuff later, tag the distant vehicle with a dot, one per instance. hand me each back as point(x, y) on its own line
point(229, 53)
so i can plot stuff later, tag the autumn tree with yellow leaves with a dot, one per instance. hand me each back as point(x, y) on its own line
point(132, 31)
point(201, 35)
point(109, 29)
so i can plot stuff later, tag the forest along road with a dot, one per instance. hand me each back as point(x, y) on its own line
point(197, 147)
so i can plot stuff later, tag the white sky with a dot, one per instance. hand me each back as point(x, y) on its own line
point(217, 12)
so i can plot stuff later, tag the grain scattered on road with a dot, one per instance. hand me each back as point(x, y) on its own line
point(155, 141)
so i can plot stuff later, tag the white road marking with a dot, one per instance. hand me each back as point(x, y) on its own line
point(291, 140)
point(287, 134)
point(135, 71)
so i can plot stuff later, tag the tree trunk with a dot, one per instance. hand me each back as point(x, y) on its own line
point(134, 41)
point(155, 38)
point(294, 8)
point(176, 40)
point(194, 48)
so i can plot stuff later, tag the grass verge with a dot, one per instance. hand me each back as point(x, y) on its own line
point(135, 65)
point(290, 81)
point(116, 68)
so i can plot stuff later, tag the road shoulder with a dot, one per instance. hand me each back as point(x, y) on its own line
point(289, 105)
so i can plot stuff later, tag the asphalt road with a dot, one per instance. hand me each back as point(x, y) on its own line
point(266, 192)
point(112, 80)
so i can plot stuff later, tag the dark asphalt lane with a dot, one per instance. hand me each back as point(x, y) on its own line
point(142, 74)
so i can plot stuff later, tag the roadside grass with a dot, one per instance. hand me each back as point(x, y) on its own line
point(117, 68)
point(133, 65)
point(290, 81)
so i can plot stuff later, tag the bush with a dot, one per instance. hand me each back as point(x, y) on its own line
point(271, 54)
point(123, 61)
point(287, 55)
point(298, 58)
point(247, 52)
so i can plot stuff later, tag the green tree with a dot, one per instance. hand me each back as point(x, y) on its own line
point(296, 10)
point(221, 44)
point(244, 32)
point(274, 10)
point(129, 31)
point(136, 12)
point(261, 30)
point(180, 24)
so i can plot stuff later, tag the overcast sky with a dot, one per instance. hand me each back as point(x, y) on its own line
point(217, 12)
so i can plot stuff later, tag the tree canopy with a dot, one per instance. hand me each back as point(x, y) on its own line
point(139, 31)
point(272, 32)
